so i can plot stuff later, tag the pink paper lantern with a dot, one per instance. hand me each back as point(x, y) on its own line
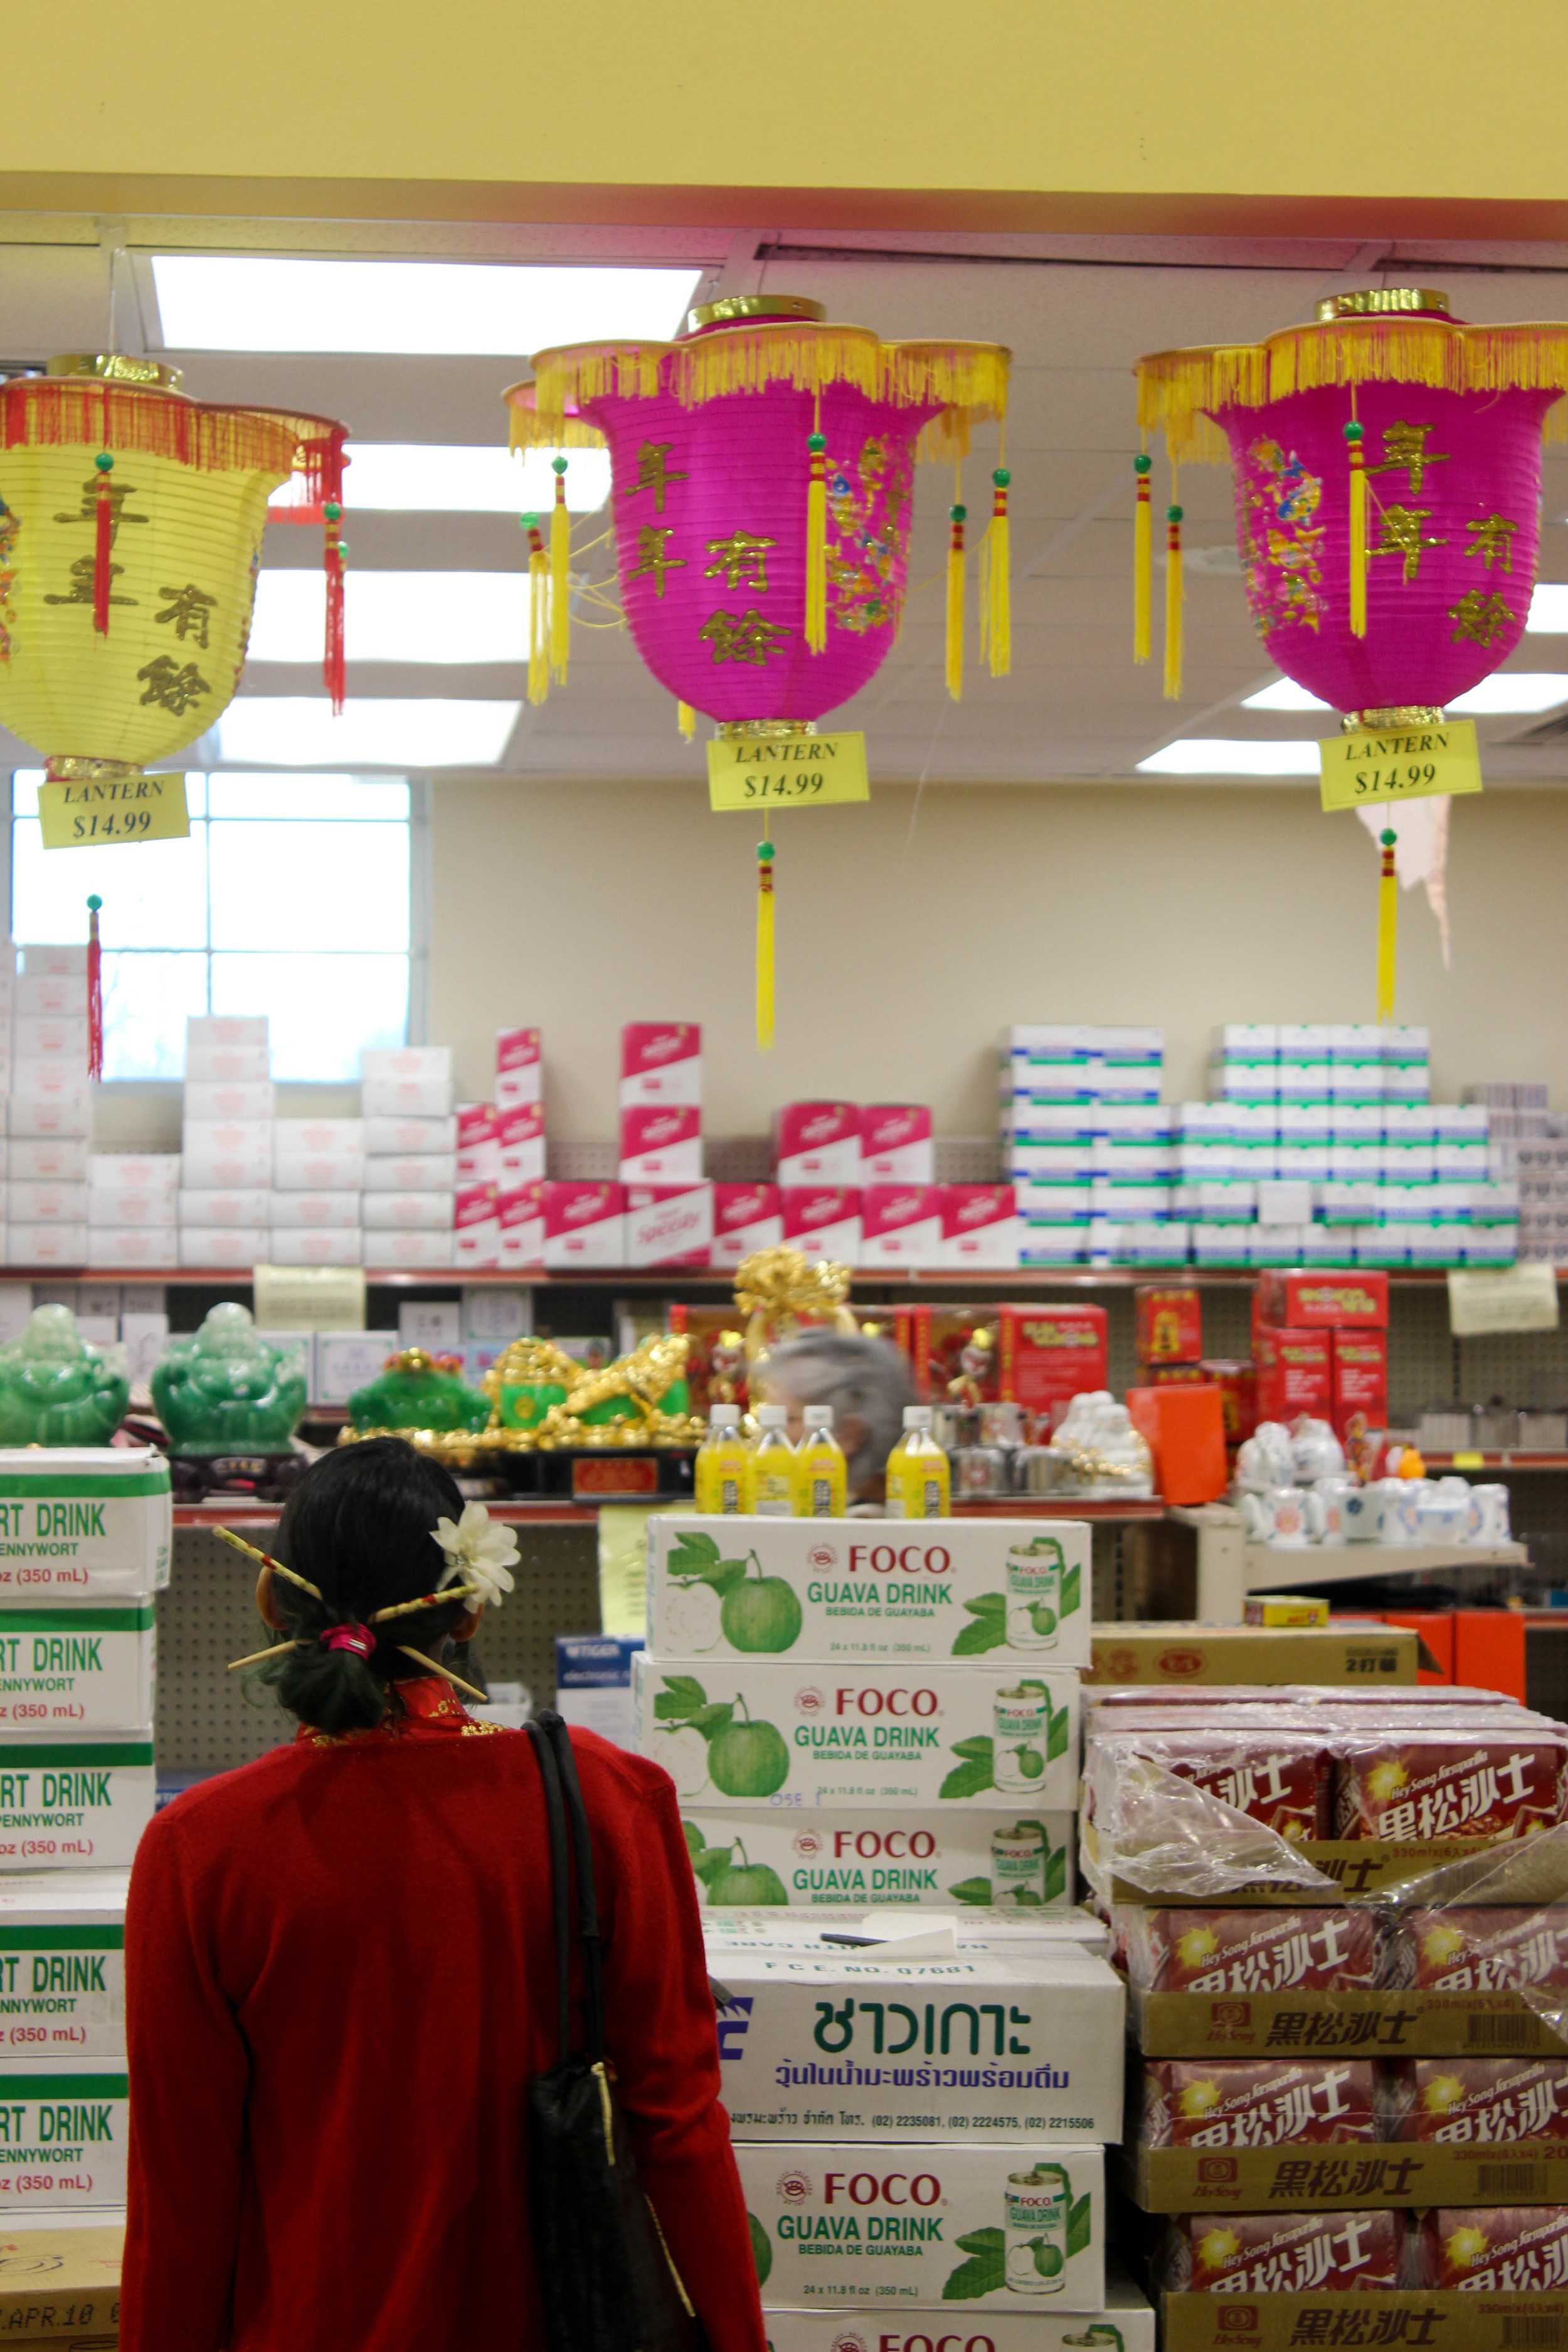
point(1450, 421)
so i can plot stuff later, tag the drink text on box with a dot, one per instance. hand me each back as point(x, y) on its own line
point(107, 809)
point(1400, 764)
point(791, 771)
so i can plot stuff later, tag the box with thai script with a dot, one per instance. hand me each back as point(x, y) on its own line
point(854, 2045)
point(83, 1521)
point(73, 1803)
point(949, 2228)
point(750, 1731)
point(1012, 1590)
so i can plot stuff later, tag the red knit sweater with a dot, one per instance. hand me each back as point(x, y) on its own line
point(338, 1976)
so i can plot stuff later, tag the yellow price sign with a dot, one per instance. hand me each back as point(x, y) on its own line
point(1400, 764)
point(104, 809)
point(787, 772)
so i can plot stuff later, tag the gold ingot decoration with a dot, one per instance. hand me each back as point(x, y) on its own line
point(779, 1289)
point(641, 1378)
point(174, 518)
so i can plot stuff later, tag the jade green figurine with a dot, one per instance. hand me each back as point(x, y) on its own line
point(415, 1390)
point(229, 1390)
point(58, 1389)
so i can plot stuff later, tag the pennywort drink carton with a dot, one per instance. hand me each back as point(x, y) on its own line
point(83, 1521)
point(70, 1803)
point(1017, 2227)
point(1126, 2324)
point(62, 1969)
point(951, 1589)
point(872, 1856)
point(77, 1665)
point(757, 1731)
point(853, 2045)
point(63, 2140)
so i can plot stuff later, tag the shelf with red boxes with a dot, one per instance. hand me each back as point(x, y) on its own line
point(1005, 1280)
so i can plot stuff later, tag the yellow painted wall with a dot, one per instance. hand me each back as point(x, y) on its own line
point(1218, 114)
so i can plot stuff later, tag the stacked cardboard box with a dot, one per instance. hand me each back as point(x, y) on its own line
point(317, 1178)
point(49, 1104)
point(873, 1713)
point(410, 1170)
point(226, 1149)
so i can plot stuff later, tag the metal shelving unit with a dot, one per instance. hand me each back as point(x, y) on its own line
point(664, 1278)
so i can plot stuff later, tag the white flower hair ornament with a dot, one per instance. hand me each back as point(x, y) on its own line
point(480, 1557)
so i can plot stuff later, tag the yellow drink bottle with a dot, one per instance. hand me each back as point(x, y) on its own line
point(821, 1474)
point(919, 1483)
point(773, 1465)
point(722, 1471)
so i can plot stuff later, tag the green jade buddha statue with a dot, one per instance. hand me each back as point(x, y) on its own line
point(226, 1389)
point(56, 1388)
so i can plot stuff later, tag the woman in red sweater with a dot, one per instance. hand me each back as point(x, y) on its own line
point(339, 1980)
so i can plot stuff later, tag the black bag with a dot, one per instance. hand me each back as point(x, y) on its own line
point(605, 2277)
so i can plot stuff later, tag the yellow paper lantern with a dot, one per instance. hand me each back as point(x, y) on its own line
point(129, 543)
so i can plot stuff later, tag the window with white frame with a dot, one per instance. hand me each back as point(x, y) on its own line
point(296, 896)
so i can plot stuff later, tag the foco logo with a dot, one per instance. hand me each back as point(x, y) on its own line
point(889, 1845)
point(901, 1559)
point(808, 1844)
point(821, 1556)
point(809, 1701)
point(860, 1700)
point(881, 2189)
point(794, 2188)
point(850, 2342)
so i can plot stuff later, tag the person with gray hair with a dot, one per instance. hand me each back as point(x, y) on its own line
point(867, 1382)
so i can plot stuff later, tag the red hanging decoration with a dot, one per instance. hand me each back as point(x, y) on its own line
point(94, 992)
point(103, 543)
point(335, 660)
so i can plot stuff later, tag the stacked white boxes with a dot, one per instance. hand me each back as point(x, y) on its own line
point(410, 1145)
point(318, 1175)
point(878, 1715)
point(519, 1147)
point(84, 1547)
point(225, 1158)
point(48, 1105)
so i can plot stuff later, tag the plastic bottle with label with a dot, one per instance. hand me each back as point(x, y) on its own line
point(774, 1466)
point(822, 1474)
point(721, 1473)
point(920, 1482)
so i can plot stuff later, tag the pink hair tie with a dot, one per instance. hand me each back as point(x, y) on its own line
point(357, 1638)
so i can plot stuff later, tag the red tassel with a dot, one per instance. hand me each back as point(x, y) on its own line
point(94, 992)
point(334, 659)
point(103, 545)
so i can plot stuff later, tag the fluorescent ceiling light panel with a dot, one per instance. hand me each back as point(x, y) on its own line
point(1505, 690)
point(420, 477)
point(253, 302)
point(1285, 695)
point(1213, 755)
point(1549, 608)
point(263, 730)
point(395, 616)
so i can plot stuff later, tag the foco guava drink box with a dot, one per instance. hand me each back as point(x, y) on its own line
point(878, 1858)
point(63, 2141)
point(83, 1521)
point(753, 1732)
point(78, 1666)
point(975, 2049)
point(70, 1803)
point(1126, 2324)
point(1019, 2228)
point(62, 1968)
point(869, 1588)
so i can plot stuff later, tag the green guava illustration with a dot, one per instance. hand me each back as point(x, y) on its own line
point(748, 1759)
point(746, 1885)
point(1043, 1618)
point(1031, 1763)
point(761, 1614)
point(762, 2249)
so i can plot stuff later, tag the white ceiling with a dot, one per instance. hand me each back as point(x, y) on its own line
point(1076, 313)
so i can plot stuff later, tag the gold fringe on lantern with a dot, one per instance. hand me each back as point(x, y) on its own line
point(764, 946)
point(1142, 562)
point(953, 649)
point(816, 621)
point(559, 578)
point(1179, 391)
point(1387, 927)
point(1175, 596)
point(997, 580)
point(82, 412)
point(686, 719)
point(1357, 523)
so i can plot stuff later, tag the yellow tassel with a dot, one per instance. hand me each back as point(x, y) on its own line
point(560, 575)
point(764, 946)
point(817, 539)
point(686, 719)
point(956, 515)
point(1358, 525)
point(996, 583)
point(1142, 562)
point(1387, 927)
point(1174, 594)
point(538, 612)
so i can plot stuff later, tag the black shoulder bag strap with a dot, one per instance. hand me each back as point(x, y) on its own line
point(555, 1824)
